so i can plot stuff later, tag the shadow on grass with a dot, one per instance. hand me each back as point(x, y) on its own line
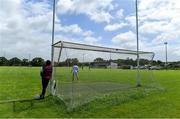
point(30, 104)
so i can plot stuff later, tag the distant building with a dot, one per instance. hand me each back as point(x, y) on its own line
point(99, 65)
point(105, 65)
point(155, 67)
point(113, 65)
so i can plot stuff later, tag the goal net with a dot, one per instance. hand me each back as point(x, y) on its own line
point(103, 72)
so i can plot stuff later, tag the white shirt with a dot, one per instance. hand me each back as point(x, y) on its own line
point(75, 69)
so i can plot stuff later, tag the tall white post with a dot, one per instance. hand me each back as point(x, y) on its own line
point(137, 37)
point(29, 60)
point(53, 27)
point(52, 48)
point(83, 62)
point(166, 43)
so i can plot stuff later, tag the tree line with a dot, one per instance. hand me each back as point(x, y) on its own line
point(38, 61)
point(120, 62)
point(123, 63)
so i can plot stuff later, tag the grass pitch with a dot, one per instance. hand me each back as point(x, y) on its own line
point(19, 82)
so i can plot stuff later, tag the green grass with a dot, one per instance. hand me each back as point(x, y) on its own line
point(19, 82)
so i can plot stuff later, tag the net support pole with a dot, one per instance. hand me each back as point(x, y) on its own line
point(137, 38)
point(166, 43)
point(59, 57)
point(52, 47)
point(83, 62)
point(53, 27)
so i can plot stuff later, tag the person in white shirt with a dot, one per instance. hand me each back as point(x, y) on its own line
point(75, 70)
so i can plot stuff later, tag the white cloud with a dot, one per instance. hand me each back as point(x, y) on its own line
point(168, 37)
point(71, 28)
point(91, 40)
point(74, 29)
point(85, 40)
point(24, 31)
point(96, 10)
point(35, 8)
point(131, 20)
point(158, 22)
point(120, 13)
point(176, 51)
point(114, 27)
point(154, 27)
point(162, 14)
point(125, 40)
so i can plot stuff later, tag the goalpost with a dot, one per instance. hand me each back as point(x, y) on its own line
point(105, 71)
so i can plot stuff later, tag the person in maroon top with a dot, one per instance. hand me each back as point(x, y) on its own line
point(46, 74)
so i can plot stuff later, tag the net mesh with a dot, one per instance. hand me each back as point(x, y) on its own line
point(102, 71)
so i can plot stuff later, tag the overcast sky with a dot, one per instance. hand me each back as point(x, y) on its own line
point(25, 25)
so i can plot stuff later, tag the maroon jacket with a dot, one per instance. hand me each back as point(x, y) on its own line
point(47, 72)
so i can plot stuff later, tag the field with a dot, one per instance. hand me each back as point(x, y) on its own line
point(23, 82)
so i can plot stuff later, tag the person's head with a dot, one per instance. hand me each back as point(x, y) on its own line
point(75, 63)
point(48, 62)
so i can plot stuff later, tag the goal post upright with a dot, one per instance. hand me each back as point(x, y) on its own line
point(137, 38)
point(60, 51)
point(52, 48)
point(53, 29)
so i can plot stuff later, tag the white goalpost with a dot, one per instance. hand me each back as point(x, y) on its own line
point(97, 78)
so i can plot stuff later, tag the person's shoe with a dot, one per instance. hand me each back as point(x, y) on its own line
point(39, 97)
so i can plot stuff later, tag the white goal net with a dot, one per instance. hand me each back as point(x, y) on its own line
point(102, 72)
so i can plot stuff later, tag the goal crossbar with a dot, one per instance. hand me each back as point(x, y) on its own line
point(79, 46)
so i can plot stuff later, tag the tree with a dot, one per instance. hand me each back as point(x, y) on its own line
point(25, 62)
point(75, 61)
point(144, 61)
point(70, 62)
point(120, 62)
point(37, 61)
point(159, 62)
point(129, 61)
point(15, 62)
point(99, 59)
point(3, 61)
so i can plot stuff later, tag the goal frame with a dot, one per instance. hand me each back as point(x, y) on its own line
point(87, 47)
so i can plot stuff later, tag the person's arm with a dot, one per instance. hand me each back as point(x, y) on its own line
point(72, 70)
point(42, 71)
point(51, 72)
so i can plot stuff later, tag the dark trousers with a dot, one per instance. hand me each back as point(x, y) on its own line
point(44, 86)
